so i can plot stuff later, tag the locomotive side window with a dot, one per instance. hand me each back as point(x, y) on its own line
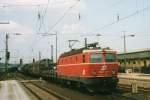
point(83, 58)
point(76, 59)
point(110, 58)
point(95, 58)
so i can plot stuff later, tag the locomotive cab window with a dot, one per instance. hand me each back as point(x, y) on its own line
point(110, 58)
point(95, 58)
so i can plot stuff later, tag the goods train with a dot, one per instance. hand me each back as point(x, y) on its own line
point(91, 67)
point(43, 68)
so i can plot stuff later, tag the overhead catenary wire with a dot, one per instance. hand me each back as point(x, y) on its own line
point(21, 5)
point(44, 14)
point(71, 7)
point(123, 18)
point(68, 9)
point(64, 14)
point(46, 9)
point(35, 4)
point(40, 19)
point(120, 19)
point(41, 16)
point(116, 3)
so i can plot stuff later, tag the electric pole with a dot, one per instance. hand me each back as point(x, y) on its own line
point(125, 48)
point(124, 44)
point(52, 53)
point(85, 42)
point(6, 54)
point(39, 55)
point(56, 33)
point(56, 47)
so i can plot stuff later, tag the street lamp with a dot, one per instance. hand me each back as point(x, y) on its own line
point(124, 42)
point(124, 39)
point(91, 35)
point(17, 33)
point(4, 23)
point(98, 34)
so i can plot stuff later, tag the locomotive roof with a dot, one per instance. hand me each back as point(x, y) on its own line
point(99, 50)
point(83, 50)
point(73, 51)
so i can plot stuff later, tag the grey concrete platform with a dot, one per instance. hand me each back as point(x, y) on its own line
point(11, 90)
point(142, 80)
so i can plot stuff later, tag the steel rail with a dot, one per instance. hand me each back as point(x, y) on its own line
point(53, 93)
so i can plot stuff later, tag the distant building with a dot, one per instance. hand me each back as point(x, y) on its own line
point(11, 67)
point(2, 67)
point(138, 61)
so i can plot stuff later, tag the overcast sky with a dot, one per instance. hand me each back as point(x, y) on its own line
point(72, 19)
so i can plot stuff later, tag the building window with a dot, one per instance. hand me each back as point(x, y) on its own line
point(128, 62)
point(120, 63)
point(133, 62)
point(139, 62)
point(144, 63)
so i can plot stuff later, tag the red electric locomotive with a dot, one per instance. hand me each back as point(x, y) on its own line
point(93, 67)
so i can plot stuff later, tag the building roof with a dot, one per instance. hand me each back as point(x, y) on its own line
point(135, 51)
point(139, 54)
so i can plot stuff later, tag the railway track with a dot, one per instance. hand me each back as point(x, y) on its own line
point(42, 93)
point(125, 93)
point(129, 88)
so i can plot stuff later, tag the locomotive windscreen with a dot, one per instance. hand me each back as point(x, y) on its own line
point(110, 57)
point(95, 58)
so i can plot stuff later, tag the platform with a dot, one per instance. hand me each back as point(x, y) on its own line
point(11, 90)
point(142, 80)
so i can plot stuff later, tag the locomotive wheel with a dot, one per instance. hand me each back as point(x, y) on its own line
point(78, 85)
point(62, 82)
point(89, 90)
point(114, 87)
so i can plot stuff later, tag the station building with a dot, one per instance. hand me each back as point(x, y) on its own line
point(138, 61)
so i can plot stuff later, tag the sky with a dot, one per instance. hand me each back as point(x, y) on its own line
point(72, 20)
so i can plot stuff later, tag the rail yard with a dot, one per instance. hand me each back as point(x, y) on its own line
point(74, 50)
point(38, 89)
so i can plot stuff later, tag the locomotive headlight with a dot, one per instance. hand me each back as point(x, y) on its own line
point(83, 72)
point(104, 67)
point(113, 72)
